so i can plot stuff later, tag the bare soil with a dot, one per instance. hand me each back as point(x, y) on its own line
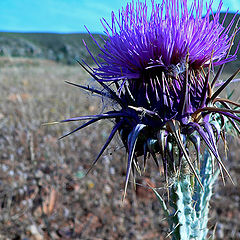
point(43, 191)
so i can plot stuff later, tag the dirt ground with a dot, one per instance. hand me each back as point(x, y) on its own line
point(43, 194)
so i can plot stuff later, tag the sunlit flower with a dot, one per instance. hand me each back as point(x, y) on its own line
point(156, 65)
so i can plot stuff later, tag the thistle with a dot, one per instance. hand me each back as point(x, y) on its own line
point(157, 66)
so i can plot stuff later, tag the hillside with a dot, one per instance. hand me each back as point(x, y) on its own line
point(64, 48)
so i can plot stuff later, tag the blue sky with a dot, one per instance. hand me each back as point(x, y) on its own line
point(65, 16)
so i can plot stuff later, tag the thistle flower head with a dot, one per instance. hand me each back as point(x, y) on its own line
point(140, 39)
point(156, 64)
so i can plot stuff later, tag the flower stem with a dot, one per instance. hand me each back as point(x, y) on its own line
point(190, 203)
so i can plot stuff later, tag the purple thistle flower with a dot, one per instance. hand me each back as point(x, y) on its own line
point(152, 65)
point(137, 41)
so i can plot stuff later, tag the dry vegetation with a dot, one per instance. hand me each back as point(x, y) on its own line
point(43, 194)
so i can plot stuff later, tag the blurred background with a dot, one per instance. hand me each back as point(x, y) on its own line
point(43, 191)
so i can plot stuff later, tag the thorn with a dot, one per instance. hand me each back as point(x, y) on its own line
point(49, 123)
point(168, 193)
point(172, 230)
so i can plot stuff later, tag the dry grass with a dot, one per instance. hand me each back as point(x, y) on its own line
point(43, 194)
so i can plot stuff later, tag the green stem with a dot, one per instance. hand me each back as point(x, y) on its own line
point(191, 203)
